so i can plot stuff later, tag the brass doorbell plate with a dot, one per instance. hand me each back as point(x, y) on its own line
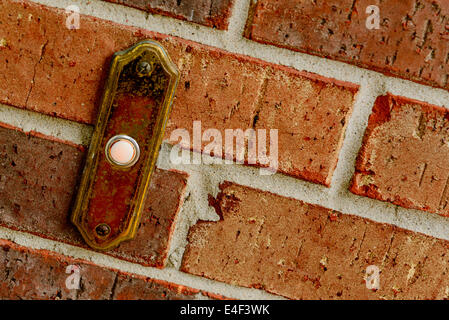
point(122, 155)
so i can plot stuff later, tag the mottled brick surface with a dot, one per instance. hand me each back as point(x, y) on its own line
point(412, 41)
point(237, 94)
point(311, 116)
point(40, 274)
point(131, 287)
point(304, 251)
point(223, 90)
point(212, 13)
point(404, 158)
point(38, 181)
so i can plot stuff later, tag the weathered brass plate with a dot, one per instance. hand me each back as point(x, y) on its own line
point(136, 102)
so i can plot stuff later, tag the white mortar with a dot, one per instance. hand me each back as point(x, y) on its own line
point(204, 179)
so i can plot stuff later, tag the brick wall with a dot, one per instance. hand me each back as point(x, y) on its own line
point(363, 132)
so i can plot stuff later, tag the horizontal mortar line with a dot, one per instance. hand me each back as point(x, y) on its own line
point(345, 202)
point(396, 86)
point(305, 191)
point(170, 275)
point(63, 129)
point(236, 43)
point(311, 193)
point(336, 69)
point(166, 274)
point(308, 192)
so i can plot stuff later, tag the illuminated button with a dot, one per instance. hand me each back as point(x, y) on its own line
point(122, 151)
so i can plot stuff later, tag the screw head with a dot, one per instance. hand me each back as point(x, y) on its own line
point(144, 68)
point(103, 230)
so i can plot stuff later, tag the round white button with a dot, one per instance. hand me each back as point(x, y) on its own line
point(122, 151)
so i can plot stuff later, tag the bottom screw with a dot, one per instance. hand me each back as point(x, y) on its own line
point(102, 230)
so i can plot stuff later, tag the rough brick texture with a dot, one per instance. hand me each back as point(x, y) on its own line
point(212, 13)
point(310, 140)
point(405, 157)
point(38, 180)
point(412, 41)
point(304, 251)
point(40, 274)
point(220, 89)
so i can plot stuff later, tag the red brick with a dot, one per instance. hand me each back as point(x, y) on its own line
point(311, 116)
point(38, 180)
point(411, 43)
point(132, 287)
point(223, 90)
point(211, 13)
point(40, 274)
point(308, 143)
point(139, 288)
point(303, 251)
point(404, 156)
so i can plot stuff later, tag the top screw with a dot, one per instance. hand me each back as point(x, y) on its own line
point(144, 68)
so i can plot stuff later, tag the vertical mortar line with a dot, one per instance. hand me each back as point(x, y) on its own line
point(196, 172)
point(370, 89)
point(237, 20)
point(179, 242)
point(200, 184)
